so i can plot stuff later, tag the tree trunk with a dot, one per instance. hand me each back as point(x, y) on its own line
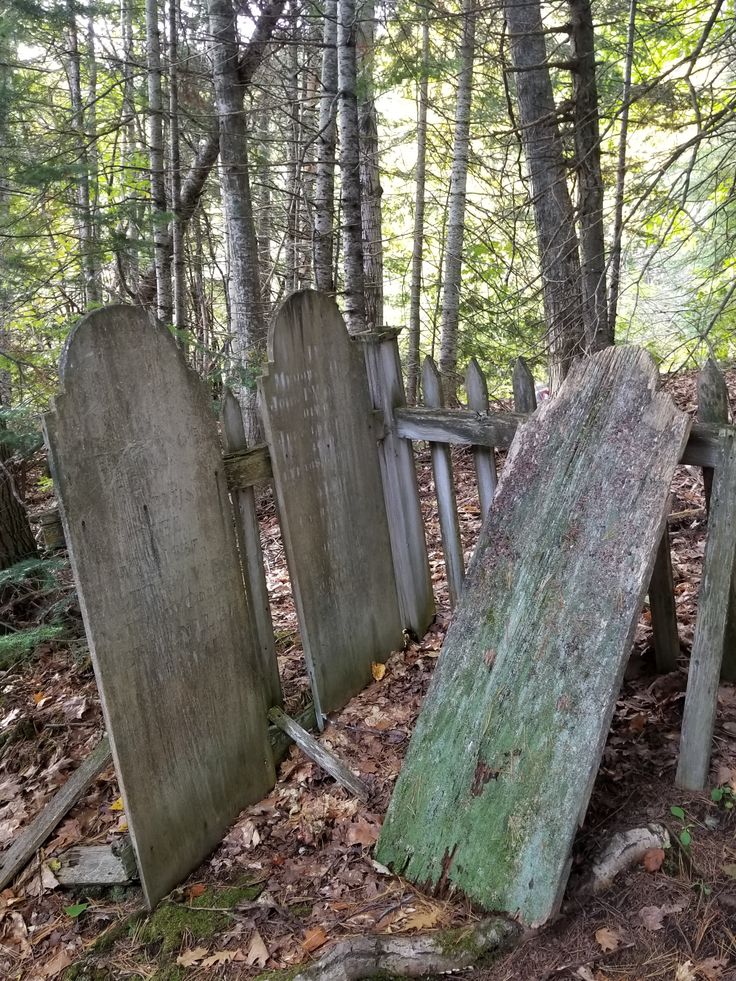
point(176, 231)
point(618, 220)
point(417, 254)
point(16, 538)
point(370, 175)
point(559, 259)
point(161, 242)
point(324, 196)
point(456, 215)
point(589, 179)
point(347, 121)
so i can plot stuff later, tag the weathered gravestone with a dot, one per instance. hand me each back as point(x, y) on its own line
point(501, 765)
point(137, 465)
point(323, 444)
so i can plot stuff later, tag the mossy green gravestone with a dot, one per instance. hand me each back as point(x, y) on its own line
point(138, 469)
point(501, 765)
point(322, 437)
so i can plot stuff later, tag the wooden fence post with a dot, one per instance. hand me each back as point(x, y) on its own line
point(663, 610)
point(444, 488)
point(396, 455)
point(483, 456)
point(714, 630)
point(712, 408)
point(522, 380)
point(251, 553)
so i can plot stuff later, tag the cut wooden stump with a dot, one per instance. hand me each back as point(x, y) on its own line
point(715, 637)
point(24, 847)
point(321, 756)
point(503, 758)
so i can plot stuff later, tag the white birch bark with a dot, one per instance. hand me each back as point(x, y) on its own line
point(176, 231)
point(324, 195)
point(456, 213)
point(161, 244)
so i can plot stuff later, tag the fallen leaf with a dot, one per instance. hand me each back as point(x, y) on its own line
point(730, 870)
point(378, 670)
point(55, 965)
point(685, 972)
point(196, 890)
point(40, 884)
point(117, 805)
point(191, 957)
point(423, 919)
point(584, 973)
point(313, 939)
point(711, 968)
point(651, 917)
point(607, 939)
point(220, 957)
point(76, 910)
point(653, 858)
point(362, 832)
point(257, 951)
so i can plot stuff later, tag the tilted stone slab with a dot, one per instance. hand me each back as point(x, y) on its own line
point(323, 444)
point(137, 465)
point(501, 765)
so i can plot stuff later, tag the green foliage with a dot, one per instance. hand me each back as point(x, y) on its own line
point(19, 646)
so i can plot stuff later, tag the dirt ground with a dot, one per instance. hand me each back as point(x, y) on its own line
point(296, 872)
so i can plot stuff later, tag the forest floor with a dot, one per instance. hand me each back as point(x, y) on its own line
point(296, 871)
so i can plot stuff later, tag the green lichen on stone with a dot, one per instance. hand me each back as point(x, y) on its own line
point(462, 940)
point(200, 920)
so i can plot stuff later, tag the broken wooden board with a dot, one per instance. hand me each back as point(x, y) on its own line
point(136, 461)
point(502, 762)
point(96, 865)
point(323, 443)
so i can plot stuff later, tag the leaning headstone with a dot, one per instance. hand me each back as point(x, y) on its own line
point(322, 437)
point(136, 462)
point(502, 762)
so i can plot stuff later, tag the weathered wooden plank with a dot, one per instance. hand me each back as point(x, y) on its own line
point(97, 865)
point(321, 433)
point(25, 845)
point(281, 741)
point(251, 555)
point(663, 609)
point(522, 383)
point(467, 428)
point(484, 457)
point(321, 756)
point(247, 467)
point(713, 408)
point(399, 478)
point(444, 487)
point(503, 758)
point(714, 632)
point(137, 464)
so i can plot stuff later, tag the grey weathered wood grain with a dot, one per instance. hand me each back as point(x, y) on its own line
point(251, 554)
point(97, 865)
point(321, 433)
point(321, 756)
point(467, 428)
point(484, 457)
point(715, 638)
point(25, 845)
point(444, 487)
point(503, 758)
point(136, 460)
point(663, 609)
point(398, 472)
point(522, 382)
point(713, 408)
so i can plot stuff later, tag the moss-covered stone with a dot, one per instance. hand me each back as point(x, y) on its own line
point(200, 920)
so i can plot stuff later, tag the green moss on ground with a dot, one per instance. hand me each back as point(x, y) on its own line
point(202, 919)
point(285, 974)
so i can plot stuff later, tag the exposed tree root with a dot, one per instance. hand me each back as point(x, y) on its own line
point(623, 850)
point(436, 952)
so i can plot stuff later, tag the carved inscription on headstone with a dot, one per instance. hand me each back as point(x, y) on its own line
point(137, 465)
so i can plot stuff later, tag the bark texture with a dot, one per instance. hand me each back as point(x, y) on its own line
point(161, 243)
point(370, 174)
point(324, 197)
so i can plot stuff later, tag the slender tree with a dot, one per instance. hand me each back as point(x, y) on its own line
point(159, 206)
point(370, 174)
point(324, 196)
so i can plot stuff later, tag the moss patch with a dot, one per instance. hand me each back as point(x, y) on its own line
point(202, 919)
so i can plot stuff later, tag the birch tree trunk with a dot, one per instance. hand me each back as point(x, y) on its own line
point(324, 195)
point(618, 220)
point(247, 317)
point(176, 231)
point(559, 259)
point(347, 121)
point(417, 254)
point(456, 214)
point(161, 244)
point(589, 178)
point(90, 279)
point(370, 175)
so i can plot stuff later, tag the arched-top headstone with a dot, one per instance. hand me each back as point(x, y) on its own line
point(137, 465)
point(323, 444)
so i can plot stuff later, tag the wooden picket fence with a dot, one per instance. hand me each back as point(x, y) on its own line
point(176, 606)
